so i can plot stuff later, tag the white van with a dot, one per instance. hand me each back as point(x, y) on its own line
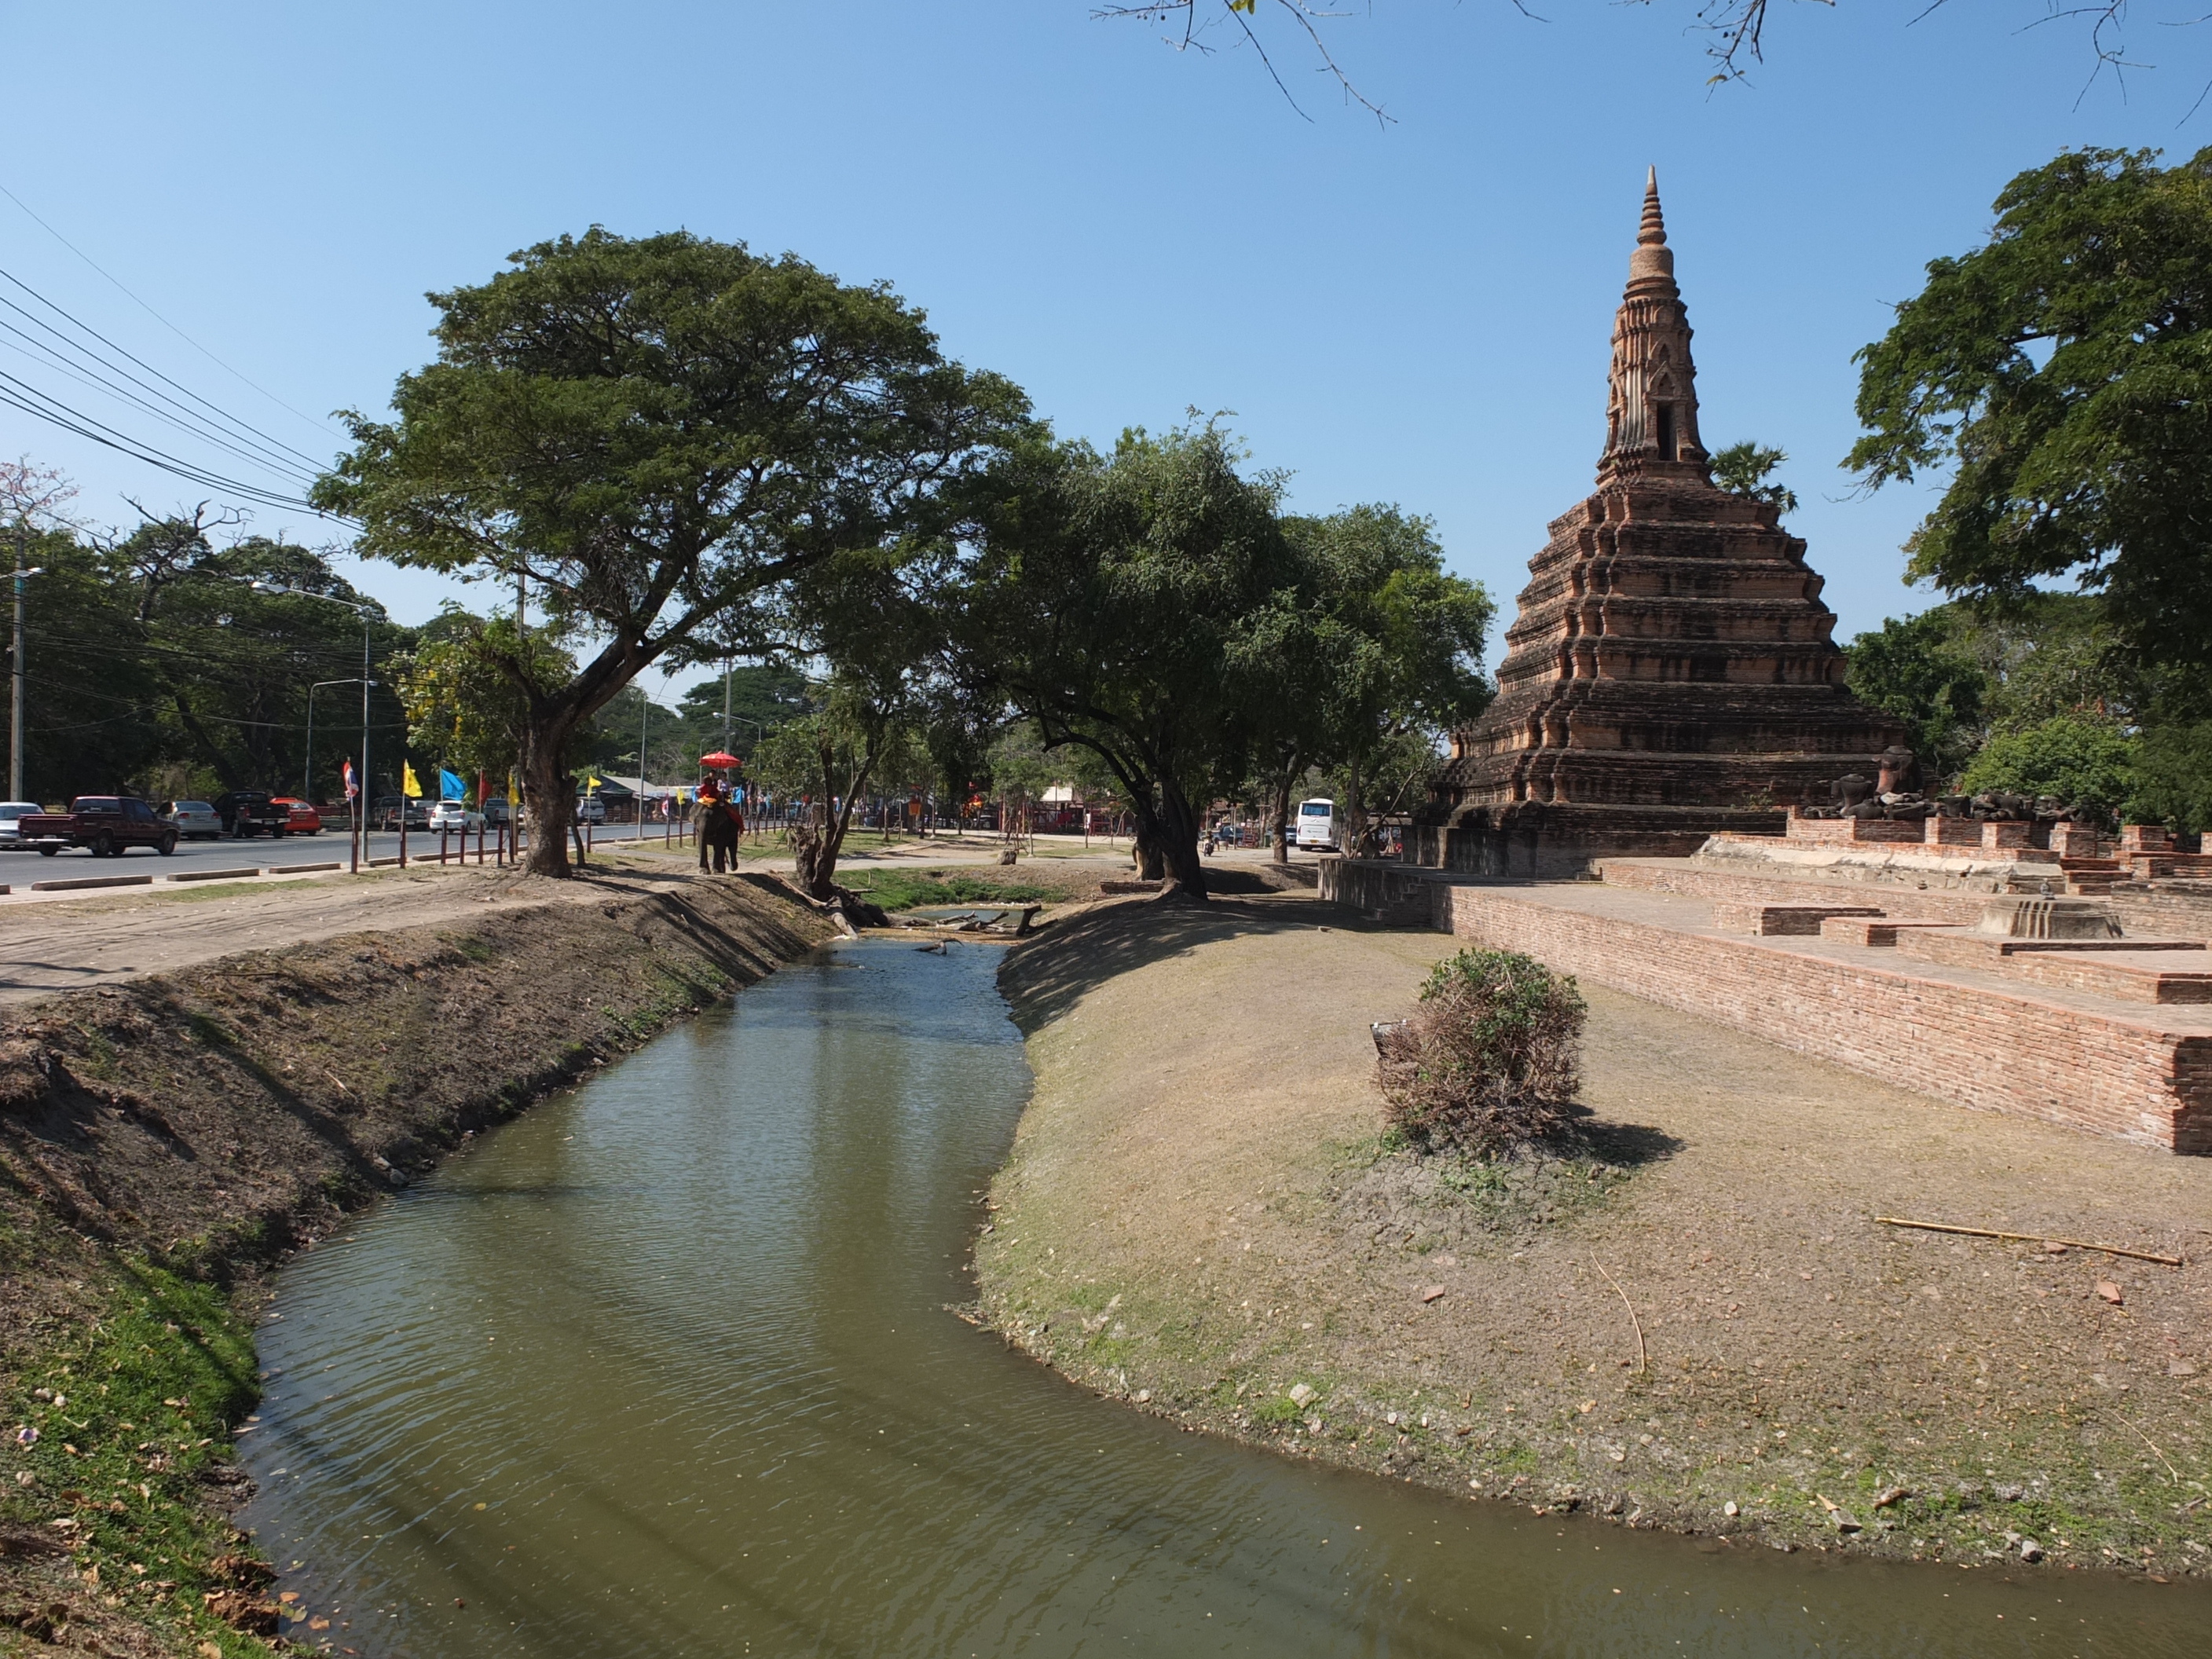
point(1315, 824)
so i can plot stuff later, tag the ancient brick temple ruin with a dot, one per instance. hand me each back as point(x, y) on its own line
point(1671, 672)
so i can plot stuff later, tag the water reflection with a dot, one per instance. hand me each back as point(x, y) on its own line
point(665, 1368)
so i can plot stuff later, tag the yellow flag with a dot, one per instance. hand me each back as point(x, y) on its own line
point(410, 784)
point(591, 782)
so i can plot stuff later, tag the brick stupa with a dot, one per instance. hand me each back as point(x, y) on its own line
point(1671, 671)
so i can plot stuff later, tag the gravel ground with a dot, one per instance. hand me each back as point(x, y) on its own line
point(1684, 1316)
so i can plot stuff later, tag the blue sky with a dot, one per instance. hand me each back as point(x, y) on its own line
point(1416, 314)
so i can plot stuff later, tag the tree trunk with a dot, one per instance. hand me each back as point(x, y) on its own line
point(1282, 848)
point(548, 795)
point(817, 862)
point(1177, 832)
point(1151, 866)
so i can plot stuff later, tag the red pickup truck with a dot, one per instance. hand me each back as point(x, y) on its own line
point(109, 824)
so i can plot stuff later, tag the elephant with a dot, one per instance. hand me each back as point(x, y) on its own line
point(719, 828)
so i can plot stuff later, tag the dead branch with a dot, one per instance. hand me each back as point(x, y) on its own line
point(2033, 1238)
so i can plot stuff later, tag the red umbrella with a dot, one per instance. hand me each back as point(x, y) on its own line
point(720, 760)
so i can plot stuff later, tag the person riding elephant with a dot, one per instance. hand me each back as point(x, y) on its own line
point(721, 826)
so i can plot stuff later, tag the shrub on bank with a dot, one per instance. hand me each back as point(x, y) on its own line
point(1488, 1058)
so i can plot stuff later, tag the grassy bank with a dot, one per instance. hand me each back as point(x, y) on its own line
point(164, 1143)
point(1684, 1315)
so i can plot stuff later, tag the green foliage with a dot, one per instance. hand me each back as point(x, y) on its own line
point(1917, 669)
point(1489, 1058)
point(905, 889)
point(2173, 776)
point(662, 434)
point(152, 1390)
point(2062, 372)
point(1382, 655)
point(151, 666)
point(466, 707)
point(1744, 469)
point(1112, 598)
point(2075, 758)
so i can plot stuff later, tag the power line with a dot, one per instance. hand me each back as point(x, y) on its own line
point(157, 316)
point(86, 328)
point(186, 421)
point(46, 407)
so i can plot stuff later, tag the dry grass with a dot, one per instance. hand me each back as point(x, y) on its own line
point(1202, 1203)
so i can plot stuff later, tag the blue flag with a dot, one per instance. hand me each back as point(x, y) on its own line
point(450, 787)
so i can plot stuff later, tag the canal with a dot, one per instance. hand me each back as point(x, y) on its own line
point(666, 1367)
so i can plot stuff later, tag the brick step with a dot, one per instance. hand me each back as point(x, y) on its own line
point(1780, 921)
point(2155, 976)
point(1877, 930)
point(1962, 947)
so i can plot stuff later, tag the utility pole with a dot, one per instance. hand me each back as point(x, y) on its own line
point(15, 709)
point(725, 705)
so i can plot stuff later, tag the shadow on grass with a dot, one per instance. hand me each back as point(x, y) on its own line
point(1046, 975)
point(1630, 1146)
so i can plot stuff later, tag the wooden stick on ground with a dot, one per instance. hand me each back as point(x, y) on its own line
point(2174, 1475)
point(2031, 1238)
point(1641, 1363)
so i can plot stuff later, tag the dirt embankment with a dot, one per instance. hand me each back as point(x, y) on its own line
point(1685, 1317)
point(165, 1140)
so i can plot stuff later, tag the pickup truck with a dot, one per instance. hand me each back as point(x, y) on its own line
point(252, 812)
point(109, 824)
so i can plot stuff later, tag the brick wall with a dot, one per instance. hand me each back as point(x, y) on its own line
point(1694, 881)
point(1990, 1049)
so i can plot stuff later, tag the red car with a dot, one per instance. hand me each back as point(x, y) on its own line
point(304, 819)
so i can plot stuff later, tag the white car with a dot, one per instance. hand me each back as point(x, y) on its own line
point(454, 815)
point(195, 819)
point(9, 811)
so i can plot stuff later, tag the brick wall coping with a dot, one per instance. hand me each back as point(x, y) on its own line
point(2133, 1071)
point(1910, 860)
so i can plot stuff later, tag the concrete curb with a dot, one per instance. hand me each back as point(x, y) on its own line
point(303, 869)
point(91, 881)
point(213, 875)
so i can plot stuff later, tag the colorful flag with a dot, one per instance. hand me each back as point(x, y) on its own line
point(410, 784)
point(450, 787)
point(352, 788)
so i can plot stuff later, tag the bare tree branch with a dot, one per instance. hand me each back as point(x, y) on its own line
point(1306, 16)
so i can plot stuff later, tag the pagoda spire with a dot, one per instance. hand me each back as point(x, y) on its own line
point(1651, 401)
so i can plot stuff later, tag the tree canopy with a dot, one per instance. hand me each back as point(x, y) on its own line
point(654, 434)
point(1114, 598)
point(2062, 373)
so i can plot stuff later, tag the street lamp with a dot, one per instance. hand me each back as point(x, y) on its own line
point(361, 829)
point(15, 709)
point(307, 771)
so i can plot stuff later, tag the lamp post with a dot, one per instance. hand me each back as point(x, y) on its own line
point(15, 708)
point(361, 823)
point(307, 771)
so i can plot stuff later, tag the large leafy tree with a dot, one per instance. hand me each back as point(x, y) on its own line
point(1112, 598)
point(1401, 641)
point(654, 435)
point(2062, 373)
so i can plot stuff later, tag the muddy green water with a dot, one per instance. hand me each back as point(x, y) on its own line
point(665, 1368)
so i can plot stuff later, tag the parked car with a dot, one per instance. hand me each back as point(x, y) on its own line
point(388, 808)
point(195, 819)
point(248, 812)
point(110, 825)
point(304, 819)
point(455, 815)
point(10, 812)
point(495, 811)
point(590, 809)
